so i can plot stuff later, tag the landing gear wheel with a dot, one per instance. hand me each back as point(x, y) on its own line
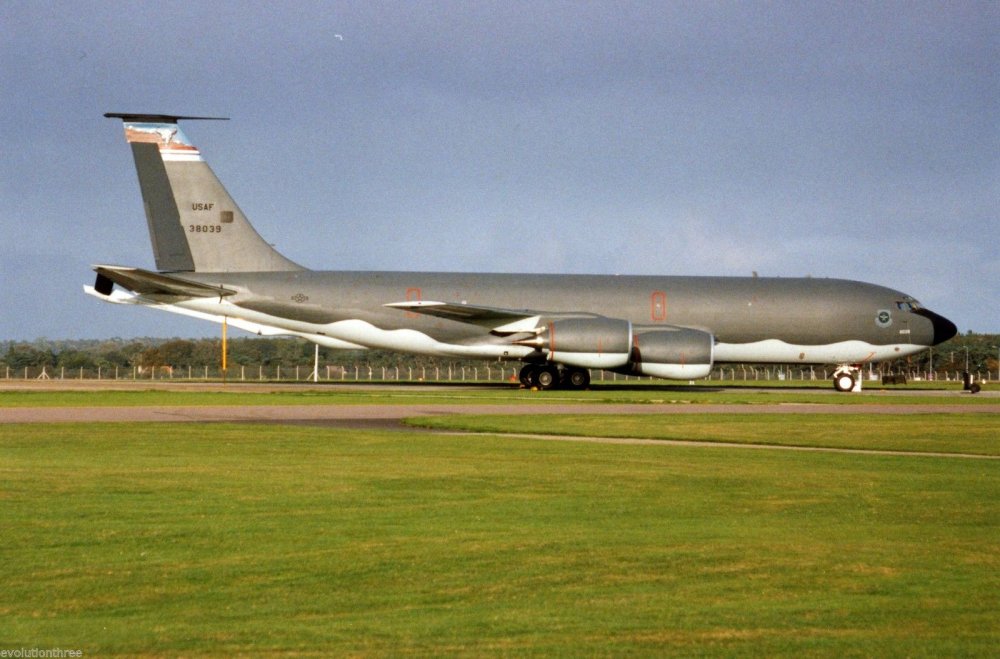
point(527, 375)
point(578, 378)
point(843, 382)
point(547, 377)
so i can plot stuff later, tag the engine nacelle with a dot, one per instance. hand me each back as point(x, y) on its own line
point(586, 342)
point(675, 354)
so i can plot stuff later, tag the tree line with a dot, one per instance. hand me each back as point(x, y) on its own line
point(977, 352)
point(177, 353)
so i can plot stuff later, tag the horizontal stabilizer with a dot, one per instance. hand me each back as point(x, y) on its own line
point(145, 282)
point(158, 118)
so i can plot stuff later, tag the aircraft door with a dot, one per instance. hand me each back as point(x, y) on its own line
point(658, 306)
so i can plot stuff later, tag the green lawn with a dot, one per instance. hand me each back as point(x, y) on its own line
point(938, 433)
point(197, 539)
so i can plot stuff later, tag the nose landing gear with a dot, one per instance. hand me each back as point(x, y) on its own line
point(847, 377)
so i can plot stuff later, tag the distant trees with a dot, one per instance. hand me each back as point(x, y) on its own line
point(178, 353)
point(978, 351)
point(24, 355)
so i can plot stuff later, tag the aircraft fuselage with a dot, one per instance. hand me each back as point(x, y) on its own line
point(759, 319)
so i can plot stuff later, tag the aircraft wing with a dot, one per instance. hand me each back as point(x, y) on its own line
point(498, 320)
point(146, 282)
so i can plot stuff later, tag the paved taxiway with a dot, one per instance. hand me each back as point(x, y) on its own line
point(341, 415)
point(391, 416)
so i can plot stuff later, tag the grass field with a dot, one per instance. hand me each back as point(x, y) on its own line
point(500, 394)
point(972, 434)
point(205, 539)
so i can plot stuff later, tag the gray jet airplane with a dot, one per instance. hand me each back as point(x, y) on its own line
point(212, 264)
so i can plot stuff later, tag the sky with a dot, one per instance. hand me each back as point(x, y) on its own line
point(856, 140)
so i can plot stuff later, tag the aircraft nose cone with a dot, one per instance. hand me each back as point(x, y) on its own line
point(944, 329)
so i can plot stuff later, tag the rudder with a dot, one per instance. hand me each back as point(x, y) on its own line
point(194, 224)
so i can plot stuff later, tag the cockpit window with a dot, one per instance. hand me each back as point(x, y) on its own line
point(909, 304)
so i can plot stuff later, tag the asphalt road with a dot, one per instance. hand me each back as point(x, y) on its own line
point(343, 414)
point(390, 417)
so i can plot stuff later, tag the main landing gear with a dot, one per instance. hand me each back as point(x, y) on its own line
point(847, 378)
point(550, 376)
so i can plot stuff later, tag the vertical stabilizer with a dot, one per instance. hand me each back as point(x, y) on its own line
point(194, 224)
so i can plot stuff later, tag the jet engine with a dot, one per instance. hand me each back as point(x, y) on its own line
point(585, 342)
point(676, 354)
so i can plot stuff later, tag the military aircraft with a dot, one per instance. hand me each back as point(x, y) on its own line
point(212, 264)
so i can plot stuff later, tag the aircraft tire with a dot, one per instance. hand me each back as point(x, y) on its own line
point(546, 377)
point(527, 375)
point(578, 378)
point(843, 382)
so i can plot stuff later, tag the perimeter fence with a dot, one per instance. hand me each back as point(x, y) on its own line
point(487, 372)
